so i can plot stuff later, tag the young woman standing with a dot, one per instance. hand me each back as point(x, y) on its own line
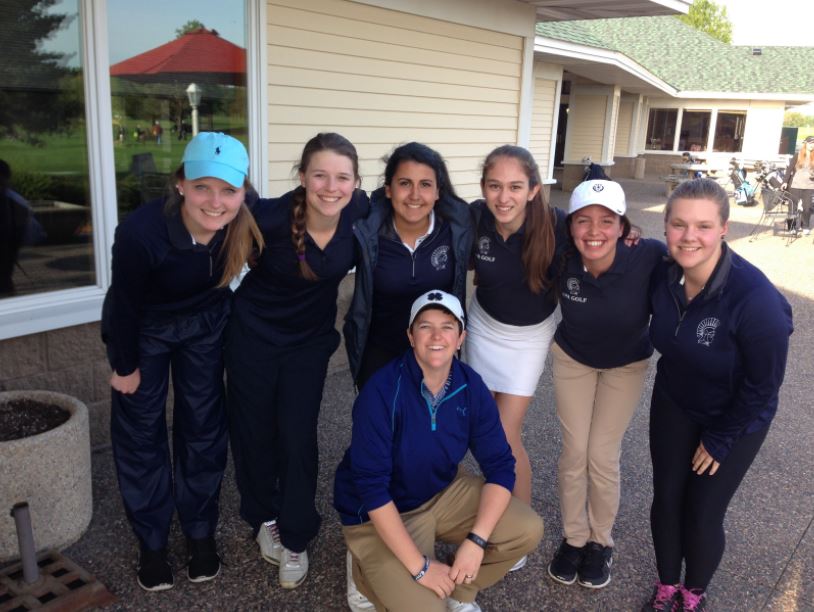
point(167, 308)
point(800, 182)
point(600, 355)
point(723, 333)
point(280, 338)
point(416, 238)
point(510, 323)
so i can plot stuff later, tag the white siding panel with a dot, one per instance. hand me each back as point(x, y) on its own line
point(542, 121)
point(586, 126)
point(383, 77)
point(624, 121)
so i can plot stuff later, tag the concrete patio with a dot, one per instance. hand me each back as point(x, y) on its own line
point(768, 565)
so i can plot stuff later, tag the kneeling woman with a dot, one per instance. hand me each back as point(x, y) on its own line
point(399, 488)
point(723, 333)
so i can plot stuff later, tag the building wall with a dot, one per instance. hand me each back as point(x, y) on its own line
point(586, 126)
point(547, 79)
point(623, 124)
point(382, 77)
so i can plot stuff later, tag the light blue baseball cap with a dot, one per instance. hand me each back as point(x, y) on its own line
point(217, 155)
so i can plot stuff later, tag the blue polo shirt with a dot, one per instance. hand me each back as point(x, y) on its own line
point(605, 320)
point(157, 268)
point(502, 290)
point(274, 301)
point(401, 276)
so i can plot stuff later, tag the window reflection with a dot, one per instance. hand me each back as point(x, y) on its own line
point(45, 221)
point(152, 65)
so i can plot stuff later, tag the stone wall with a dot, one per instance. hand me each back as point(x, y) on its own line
point(70, 360)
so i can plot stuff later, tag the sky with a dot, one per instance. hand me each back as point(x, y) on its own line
point(759, 22)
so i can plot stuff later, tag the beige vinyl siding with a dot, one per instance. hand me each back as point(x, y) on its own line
point(382, 77)
point(542, 122)
point(623, 124)
point(586, 127)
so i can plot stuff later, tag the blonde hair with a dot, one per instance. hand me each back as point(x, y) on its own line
point(242, 233)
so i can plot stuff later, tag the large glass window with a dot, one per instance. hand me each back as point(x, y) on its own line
point(45, 212)
point(661, 129)
point(729, 131)
point(170, 75)
point(694, 130)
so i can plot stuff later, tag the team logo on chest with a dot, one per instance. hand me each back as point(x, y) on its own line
point(440, 257)
point(484, 246)
point(705, 332)
point(573, 287)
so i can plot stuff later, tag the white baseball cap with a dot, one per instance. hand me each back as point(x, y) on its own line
point(604, 193)
point(437, 297)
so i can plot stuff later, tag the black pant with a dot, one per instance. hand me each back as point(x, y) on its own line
point(687, 515)
point(274, 394)
point(373, 358)
point(151, 490)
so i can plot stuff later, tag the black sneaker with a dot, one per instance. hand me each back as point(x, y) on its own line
point(154, 571)
point(594, 571)
point(566, 561)
point(204, 562)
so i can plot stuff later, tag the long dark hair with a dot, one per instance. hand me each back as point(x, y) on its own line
point(324, 141)
point(538, 240)
point(421, 154)
point(242, 233)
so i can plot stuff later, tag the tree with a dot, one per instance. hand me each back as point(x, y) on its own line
point(189, 26)
point(794, 119)
point(709, 17)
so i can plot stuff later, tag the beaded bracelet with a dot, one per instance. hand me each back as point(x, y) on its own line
point(424, 569)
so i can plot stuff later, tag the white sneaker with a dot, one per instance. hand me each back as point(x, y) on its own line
point(356, 601)
point(806, 232)
point(268, 537)
point(521, 563)
point(453, 605)
point(293, 568)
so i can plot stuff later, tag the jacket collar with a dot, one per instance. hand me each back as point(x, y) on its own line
point(717, 280)
point(179, 235)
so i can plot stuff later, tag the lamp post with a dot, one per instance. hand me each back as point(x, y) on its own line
point(194, 94)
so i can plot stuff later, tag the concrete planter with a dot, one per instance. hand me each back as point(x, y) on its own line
point(51, 471)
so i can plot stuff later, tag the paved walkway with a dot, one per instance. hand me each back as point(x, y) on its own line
point(769, 562)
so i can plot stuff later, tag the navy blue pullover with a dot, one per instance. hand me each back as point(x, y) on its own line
point(157, 268)
point(605, 320)
point(400, 277)
point(401, 452)
point(723, 355)
point(502, 289)
point(274, 300)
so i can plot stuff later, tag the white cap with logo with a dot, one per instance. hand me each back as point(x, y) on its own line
point(604, 193)
point(437, 297)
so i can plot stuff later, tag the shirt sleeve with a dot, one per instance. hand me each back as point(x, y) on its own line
point(487, 440)
point(131, 274)
point(371, 448)
point(762, 338)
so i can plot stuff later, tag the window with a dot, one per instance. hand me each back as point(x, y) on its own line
point(694, 131)
point(46, 226)
point(729, 131)
point(661, 129)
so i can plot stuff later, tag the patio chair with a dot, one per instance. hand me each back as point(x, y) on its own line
point(778, 213)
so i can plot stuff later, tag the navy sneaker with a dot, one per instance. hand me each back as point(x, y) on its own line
point(204, 562)
point(594, 571)
point(563, 567)
point(154, 571)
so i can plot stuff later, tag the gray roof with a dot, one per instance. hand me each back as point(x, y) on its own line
point(691, 60)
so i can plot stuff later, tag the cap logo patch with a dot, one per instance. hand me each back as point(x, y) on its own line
point(598, 187)
point(217, 150)
point(435, 297)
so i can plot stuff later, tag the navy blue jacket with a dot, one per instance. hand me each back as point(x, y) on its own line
point(397, 454)
point(280, 306)
point(357, 321)
point(723, 355)
point(502, 289)
point(156, 268)
point(604, 320)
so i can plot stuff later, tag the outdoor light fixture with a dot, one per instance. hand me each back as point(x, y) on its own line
point(194, 93)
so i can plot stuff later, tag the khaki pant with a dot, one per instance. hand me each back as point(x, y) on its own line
point(594, 407)
point(448, 517)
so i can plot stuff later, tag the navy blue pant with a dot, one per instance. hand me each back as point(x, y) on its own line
point(192, 346)
point(274, 394)
point(687, 515)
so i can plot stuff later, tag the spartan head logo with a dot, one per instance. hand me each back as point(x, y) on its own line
point(706, 330)
point(572, 284)
point(440, 257)
point(598, 187)
point(484, 244)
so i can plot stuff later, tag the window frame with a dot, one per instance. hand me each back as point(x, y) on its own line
point(41, 312)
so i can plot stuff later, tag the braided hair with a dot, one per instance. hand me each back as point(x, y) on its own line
point(324, 141)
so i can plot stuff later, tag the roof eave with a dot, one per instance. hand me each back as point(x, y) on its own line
point(793, 98)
